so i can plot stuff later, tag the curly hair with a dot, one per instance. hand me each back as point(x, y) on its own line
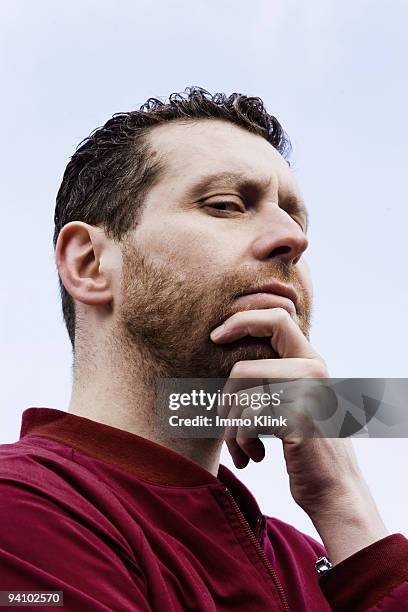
point(108, 176)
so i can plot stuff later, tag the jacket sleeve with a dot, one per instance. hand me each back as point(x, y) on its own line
point(45, 547)
point(374, 579)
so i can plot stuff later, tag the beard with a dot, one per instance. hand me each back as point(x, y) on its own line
point(166, 315)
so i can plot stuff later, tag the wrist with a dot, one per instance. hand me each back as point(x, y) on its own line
point(348, 522)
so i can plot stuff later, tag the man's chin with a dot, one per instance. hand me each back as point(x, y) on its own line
point(251, 348)
point(245, 349)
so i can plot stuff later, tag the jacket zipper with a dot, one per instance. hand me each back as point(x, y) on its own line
point(259, 550)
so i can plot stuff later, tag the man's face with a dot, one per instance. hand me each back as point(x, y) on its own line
point(225, 217)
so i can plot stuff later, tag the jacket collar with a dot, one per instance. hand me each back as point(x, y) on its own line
point(139, 456)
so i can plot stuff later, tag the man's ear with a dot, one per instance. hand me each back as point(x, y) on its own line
point(83, 262)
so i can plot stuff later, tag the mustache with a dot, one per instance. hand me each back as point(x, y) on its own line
point(212, 293)
point(237, 281)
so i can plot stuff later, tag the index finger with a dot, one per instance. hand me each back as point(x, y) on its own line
point(286, 336)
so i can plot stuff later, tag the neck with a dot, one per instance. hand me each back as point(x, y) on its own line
point(117, 388)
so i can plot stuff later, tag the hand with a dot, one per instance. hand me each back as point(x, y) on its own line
point(324, 476)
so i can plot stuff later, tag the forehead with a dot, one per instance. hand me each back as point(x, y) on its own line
point(193, 149)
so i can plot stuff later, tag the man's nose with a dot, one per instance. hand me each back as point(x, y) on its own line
point(280, 237)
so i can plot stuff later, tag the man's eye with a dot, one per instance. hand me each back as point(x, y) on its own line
point(226, 206)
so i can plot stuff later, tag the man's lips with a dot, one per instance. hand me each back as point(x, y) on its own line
point(271, 295)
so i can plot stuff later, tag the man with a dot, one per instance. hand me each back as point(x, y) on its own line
point(180, 235)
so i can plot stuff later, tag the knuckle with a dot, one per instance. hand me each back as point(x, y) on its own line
point(322, 370)
point(281, 314)
point(245, 443)
point(248, 413)
point(318, 370)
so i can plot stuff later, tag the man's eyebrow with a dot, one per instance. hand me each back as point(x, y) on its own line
point(226, 179)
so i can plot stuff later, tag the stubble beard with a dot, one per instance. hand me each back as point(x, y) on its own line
point(166, 315)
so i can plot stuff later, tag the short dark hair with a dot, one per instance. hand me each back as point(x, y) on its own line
point(108, 176)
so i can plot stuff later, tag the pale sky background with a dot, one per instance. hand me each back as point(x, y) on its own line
point(333, 72)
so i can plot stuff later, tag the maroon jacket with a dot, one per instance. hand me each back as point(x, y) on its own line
point(117, 522)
